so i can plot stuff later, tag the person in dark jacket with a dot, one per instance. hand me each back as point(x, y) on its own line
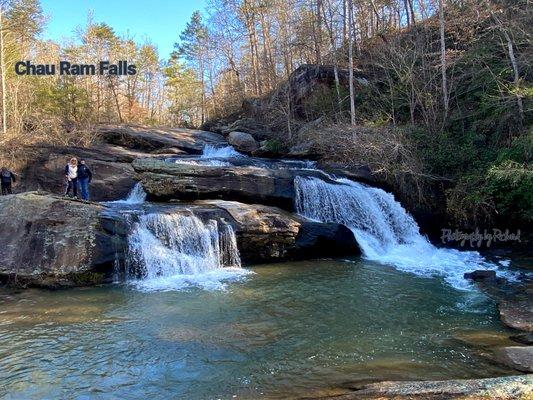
point(71, 176)
point(84, 178)
point(7, 177)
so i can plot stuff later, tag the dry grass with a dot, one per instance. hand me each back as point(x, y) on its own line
point(387, 150)
point(17, 148)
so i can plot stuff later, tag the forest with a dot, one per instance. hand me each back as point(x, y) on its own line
point(432, 95)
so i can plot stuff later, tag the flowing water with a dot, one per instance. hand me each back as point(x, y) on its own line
point(384, 230)
point(190, 322)
point(288, 330)
point(172, 251)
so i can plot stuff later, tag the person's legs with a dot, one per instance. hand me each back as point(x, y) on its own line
point(67, 189)
point(4, 189)
point(75, 187)
point(8, 188)
point(84, 188)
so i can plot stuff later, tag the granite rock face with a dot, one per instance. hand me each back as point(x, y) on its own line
point(53, 242)
point(165, 181)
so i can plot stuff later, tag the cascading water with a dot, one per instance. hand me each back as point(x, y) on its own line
point(137, 195)
point(220, 152)
point(385, 232)
point(171, 251)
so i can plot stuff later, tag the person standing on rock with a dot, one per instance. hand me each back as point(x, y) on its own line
point(7, 177)
point(71, 174)
point(84, 178)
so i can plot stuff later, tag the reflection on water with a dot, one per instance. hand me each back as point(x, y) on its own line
point(288, 330)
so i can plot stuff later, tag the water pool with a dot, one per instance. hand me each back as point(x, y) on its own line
point(287, 330)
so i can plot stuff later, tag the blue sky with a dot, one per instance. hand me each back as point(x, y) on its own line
point(159, 20)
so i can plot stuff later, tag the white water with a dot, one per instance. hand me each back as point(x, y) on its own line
point(220, 152)
point(213, 157)
point(137, 195)
point(385, 232)
point(170, 251)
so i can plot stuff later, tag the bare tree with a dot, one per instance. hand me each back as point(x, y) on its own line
point(445, 99)
point(350, 61)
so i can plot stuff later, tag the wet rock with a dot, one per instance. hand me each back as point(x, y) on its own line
point(524, 338)
point(270, 234)
point(481, 275)
point(243, 142)
point(164, 181)
point(502, 388)
point(517, 313)
point(50, 241)
point(482, 339)
point(516, 357)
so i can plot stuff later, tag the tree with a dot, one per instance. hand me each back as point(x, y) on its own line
point(193, 48)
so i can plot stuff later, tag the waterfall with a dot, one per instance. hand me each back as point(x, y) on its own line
point(170, 251)
point(384, 230)
point(137, 195)
point(220, 152)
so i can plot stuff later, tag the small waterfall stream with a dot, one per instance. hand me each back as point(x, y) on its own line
point(168, 251)
point(385, 232)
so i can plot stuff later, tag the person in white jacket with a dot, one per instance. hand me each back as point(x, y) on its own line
point(71, 175)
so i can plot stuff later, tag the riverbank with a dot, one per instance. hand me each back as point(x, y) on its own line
point(211, 214)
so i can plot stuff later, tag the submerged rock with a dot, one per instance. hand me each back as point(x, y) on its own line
point(502, 388)
point(50, 241)
point(516, 357)
point(481, 275)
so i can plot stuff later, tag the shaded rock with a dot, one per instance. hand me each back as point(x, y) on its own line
point(163, 181)
point(50, 241)
point(191, 141)
point(243, 142)
point(516, 357)
point(306, 150)
point(481, 275)
point(524, 338)
point(269, 234)
point(113, 176)
point(502, 388)
point(517, 313)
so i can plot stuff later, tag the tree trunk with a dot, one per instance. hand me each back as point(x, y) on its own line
point(443, 60)
point(4, 73)
point(350, 57)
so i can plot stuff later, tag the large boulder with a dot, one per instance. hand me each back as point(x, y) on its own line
point(243, 142)
point(270, 234)
point(191, 141)
point(164, 181)
point(113, 176)
point(50, 241)
point(266, 234)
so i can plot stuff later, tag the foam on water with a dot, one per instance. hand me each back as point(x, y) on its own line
point(220, 152)
point(137, 195)
point(172, 251)
point(385, 232)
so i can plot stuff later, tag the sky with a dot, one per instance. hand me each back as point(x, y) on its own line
point(159, 20)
